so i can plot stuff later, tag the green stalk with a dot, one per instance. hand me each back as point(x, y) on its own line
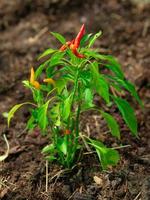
point(77, 123)
point(71, 152)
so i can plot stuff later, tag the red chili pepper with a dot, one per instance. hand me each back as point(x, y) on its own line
point(74, 44)
point(79, 36)
point(76, 53)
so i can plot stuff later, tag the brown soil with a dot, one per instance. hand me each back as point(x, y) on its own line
point(25, 28)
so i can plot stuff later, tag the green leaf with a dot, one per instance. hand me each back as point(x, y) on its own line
point(37, 96)
point(107, 156)
point(27, 84)
point(114, 66)
point(14, 109)
point(46, 53)
point(5, 114)
point(109, 61)
point(65, 94)
point(93, 38)
point(86, 77)
point(51, 158)
point(131, 88)
point(55, 114)
point(92, 53)
point(68, 76)
point(102, 88)
point(127, 113)
point(119, 83)
point(68, 69)
point(66, 107)
point(59, 37)
point(60, 84)
point(113, 83)
point(31, 123)
point(42, 116)
point(88, 97)
point(50, 71)
point(48, 149)
point(56, 58)
point(85, 38)
point(116, 70)
point(62, 145)
point(112, 124)
point(99, 83)
point(45, 88)
point(41, 68)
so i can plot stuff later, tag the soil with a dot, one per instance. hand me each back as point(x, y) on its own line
point(24, 33)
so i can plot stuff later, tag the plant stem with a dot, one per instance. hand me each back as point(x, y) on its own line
point(77, 120)
point(71, 151)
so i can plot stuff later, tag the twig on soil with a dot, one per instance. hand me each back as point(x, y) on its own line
point(121, 147)
point(34, 39)
point(85, 143)
point(145, 29)
point(2, 183)
point(21, 133)
point(116, 92)
point(88, 130)
point(91, 152)
point(137, 196)
point(46, 185)
point(58, 174)
point(3, 157)
point(96, 123)
point(72, 194)
point(113, 91)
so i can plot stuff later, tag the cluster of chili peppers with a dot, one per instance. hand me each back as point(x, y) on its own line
point(36, 84)
point(74, 44)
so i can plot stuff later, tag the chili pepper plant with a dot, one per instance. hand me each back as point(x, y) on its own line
point(64, 86)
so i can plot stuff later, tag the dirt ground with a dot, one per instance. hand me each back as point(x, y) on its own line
point(24, 33)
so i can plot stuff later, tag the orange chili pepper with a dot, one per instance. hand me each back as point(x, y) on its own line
point(64, 47)
point(75, 52)
point(34, 83)
point(49, 80)
point(74, 44)
point(67, 132)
